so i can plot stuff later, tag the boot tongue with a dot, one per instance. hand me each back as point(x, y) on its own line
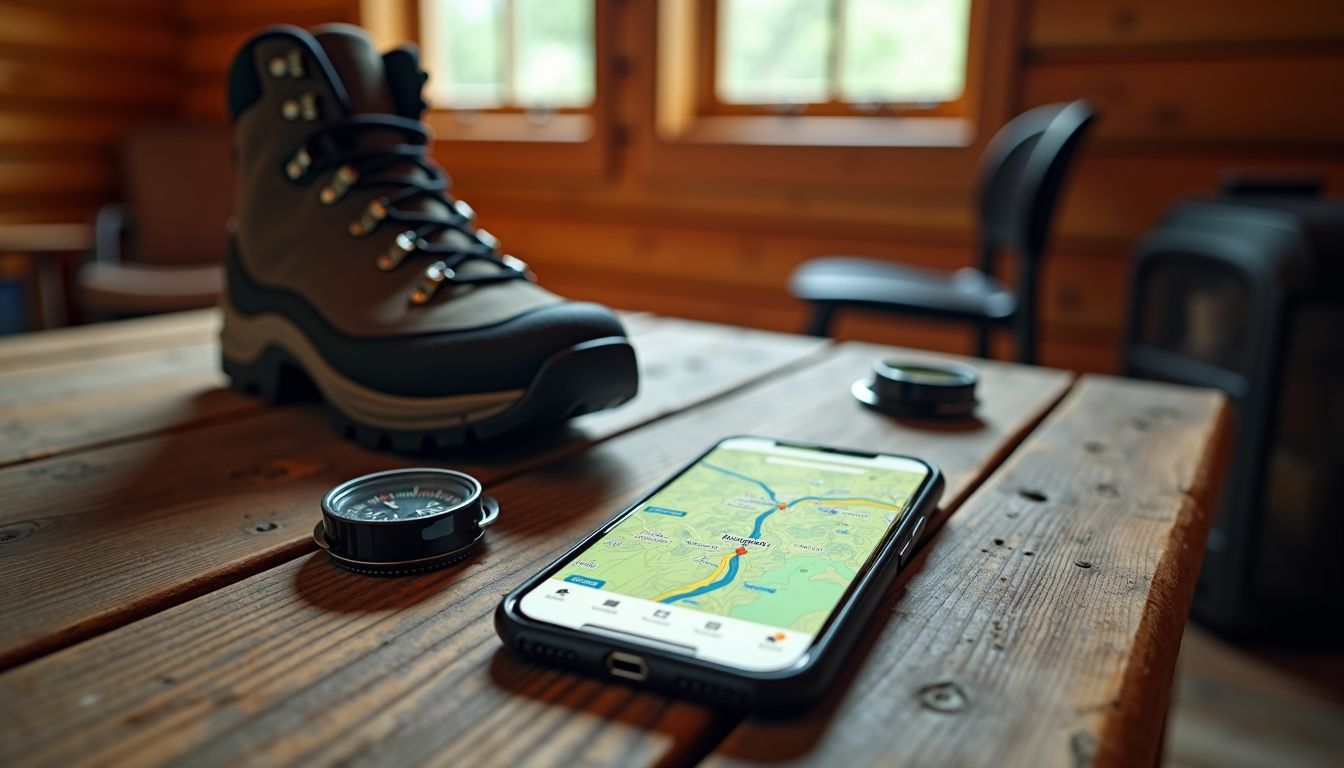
point(360, 67)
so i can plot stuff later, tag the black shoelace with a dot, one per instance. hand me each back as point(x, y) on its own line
point(332, 146)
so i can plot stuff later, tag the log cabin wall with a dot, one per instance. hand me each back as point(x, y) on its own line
point(75, 76)
point(1186, 89)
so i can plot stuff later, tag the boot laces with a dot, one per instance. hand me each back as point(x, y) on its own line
point(391, 167)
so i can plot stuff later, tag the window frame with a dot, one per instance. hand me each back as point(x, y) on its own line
point(936, 155)
point(707, 91)
point(511, 68)
point(503, 146)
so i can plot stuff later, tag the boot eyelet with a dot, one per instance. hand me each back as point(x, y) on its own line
point(464, 210)
point(290, 64)
point(298, 164)
point(295, 63)
point(304, 106)
point(308, 106)
point(484, 237)
point(368, 220)
point(517, 265)
point(430, 282)
point(340, 183)
point(396, 253)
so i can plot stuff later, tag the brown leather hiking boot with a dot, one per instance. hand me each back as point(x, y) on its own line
point(353, 268)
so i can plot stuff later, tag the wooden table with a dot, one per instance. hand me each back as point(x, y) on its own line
point(164, 602)
point(41, 245)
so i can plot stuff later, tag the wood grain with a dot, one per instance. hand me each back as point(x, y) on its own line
point(91, 344)
point(72, 389)
point(89, 34)
point(1041, 626)
point(1274, 100)
point(75, 76)
point(1102, 24)
point(199, 515)
point(287, 667)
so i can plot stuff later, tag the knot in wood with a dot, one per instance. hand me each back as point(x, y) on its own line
point(19, 529)
point(943, 697)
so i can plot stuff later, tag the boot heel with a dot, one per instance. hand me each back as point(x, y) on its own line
point(272, 377)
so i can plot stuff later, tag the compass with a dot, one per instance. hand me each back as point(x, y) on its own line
point(921, 390)
point(404, 520)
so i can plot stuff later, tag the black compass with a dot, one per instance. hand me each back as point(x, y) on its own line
point(404, 520)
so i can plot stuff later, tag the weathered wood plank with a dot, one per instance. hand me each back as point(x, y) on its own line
point(1041, 626)
point(306, 663)
point(59, 408)
point(86, 344)
point(205, 506)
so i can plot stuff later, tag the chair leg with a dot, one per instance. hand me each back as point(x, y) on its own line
point(820, 324)
point(1026, 340)
point(982, 340)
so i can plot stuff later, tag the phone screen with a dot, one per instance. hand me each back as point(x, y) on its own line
point(741, 559)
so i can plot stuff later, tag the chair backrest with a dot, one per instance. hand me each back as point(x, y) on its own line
point(178, 182)
point(1022, 171)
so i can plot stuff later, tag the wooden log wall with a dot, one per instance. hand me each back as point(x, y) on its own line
point(1186, 88)
point(75, 76)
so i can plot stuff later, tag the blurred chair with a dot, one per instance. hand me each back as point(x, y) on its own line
point(1021, 174)
point(163, 248)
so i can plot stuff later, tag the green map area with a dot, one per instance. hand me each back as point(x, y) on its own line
point(755, 536)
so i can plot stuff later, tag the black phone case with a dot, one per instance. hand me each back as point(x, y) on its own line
point(768, 693)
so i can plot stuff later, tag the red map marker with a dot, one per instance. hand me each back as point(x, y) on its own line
point(741, 550)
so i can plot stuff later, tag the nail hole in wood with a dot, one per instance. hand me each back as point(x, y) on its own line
point(1082, 563)
point(998, 542)
point(1031, 495)
point(1029, 553)
point(1109, 490)
point(264, 527)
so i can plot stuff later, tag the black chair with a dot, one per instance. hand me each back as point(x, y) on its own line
point(1021, 174)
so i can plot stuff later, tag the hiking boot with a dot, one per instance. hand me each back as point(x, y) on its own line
point(354, 273)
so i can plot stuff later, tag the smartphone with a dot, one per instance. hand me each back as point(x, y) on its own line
point(742, 580)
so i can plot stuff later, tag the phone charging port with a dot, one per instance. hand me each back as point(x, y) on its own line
point(627, 665)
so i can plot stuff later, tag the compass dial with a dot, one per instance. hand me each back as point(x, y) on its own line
point(401, 495)
point(403, 504)
point(404, 521)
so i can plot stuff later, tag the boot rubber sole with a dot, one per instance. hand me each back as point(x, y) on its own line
point(267, 355)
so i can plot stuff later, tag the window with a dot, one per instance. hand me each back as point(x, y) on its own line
point(837, 56)
point(530, 55)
